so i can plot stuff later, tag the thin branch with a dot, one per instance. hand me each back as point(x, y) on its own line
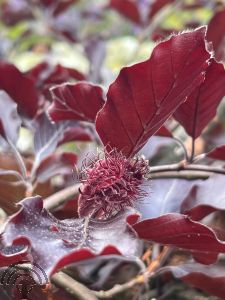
point(119, 288)
point(73, 287)
point(183, 147)
point(140, 279)
point(61, 197)
point(180, 170)
point(192, 155)
point(209, 169)
point(184, 174)
point(81, 292)
point(181, 167)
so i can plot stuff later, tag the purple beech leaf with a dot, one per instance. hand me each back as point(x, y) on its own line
point(216, 32)
point(202, 198)
point(209, 279)
point(164, 131)
point(128, 9)
point(162, 223)
point(48, 135)
point(55, 164)
point(180, 231)
point(200, 107)
point(79, 101)
point(217, 153)
point(145, 95)
point(10, 121)
point(54, 244)
point(164, 196)
point(157, 5)
point(44, 73)
point(195, 198)
point(139, 12)
point(20, 88)
point(78, 133)
point(46, 76)
point(61, 6)
point(95, 49)
point(13, 254)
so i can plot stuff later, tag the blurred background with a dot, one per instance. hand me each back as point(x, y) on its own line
point(51, 42)
point(98, 37)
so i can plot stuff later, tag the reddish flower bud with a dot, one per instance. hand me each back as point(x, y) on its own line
point(112, 183)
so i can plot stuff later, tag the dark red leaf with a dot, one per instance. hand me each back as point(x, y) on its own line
point(133, 9)
point(10, 122)
point(136, 108)
point(216, 33)
point(162, 223)
point(8, 258)
point(95, 49)
point(209, 279)
point(56, 164)
point(61, 6)
point(38, 71)
point(127, 8)
point(164, 196)
point(72, 134)
point(20, 88)
point(201, 105)
point(80, 101)
point(163, 131)
point(48, 135)
point(157, 5)
point(46, 76)
point(54, 244)
point(56, 6)
point(195, 198)
point(217, 153)
point(180, 231)
point(202, 198)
